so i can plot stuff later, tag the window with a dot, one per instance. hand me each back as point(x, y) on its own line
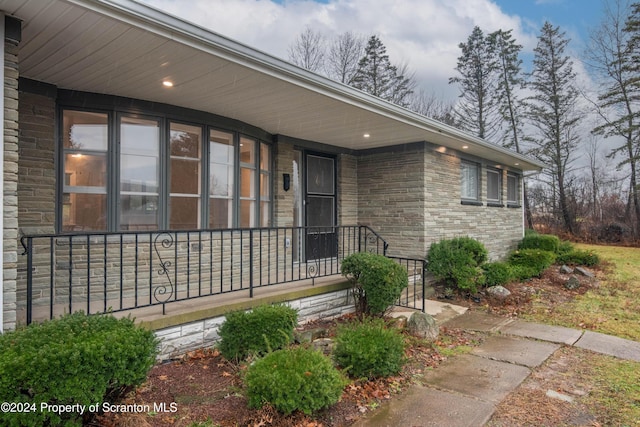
point(470, 181)
point(126, 172)
point(84, 194)
point(494, 186)
point(513, 189)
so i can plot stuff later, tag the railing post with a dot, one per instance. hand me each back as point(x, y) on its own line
point(251, 263)
point(29, 252)
point(360, 238)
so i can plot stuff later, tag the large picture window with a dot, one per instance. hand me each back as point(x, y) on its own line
point(126, 172)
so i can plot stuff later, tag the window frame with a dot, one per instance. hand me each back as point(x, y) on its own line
point(205, 122)
point(517, 189)
point(465, 199)
point(494, 202)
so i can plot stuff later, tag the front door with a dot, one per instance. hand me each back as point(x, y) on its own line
point(320, 207)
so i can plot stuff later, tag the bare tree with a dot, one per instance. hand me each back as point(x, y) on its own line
point(431, 105)
point(343, 56)
point(308, 50)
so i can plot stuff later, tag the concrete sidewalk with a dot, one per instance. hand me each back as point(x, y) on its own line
point(464, 391)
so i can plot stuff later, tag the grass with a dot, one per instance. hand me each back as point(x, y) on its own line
point(614, 307)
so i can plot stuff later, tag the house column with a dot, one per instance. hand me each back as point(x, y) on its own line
point(11, 29)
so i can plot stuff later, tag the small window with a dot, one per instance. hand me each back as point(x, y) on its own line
point(513, 189)
point(494, 186)
point(470, 181)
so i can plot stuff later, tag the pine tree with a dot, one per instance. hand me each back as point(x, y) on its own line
point(552, 110)
point(377, 76)
point(614, 51)
point(476, 110)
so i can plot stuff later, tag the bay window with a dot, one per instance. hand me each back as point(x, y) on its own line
point(142, 172)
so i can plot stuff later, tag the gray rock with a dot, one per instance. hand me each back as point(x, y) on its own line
point(325, 345)
point(566, 270)
point(309, 335)
point(529, 290)
point(423, 325)
point(586, 273)
point(572, 283)
point(498, 291)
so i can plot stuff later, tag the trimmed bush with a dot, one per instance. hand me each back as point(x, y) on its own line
point(457, 262)
point(294, 379)
point(579, 257)
point(545, 242)
point(565, 247)
point(532, 261)
point(76, 359)
point(497, 273)
point(378, 281)
point(265, 328)
point(369, 349)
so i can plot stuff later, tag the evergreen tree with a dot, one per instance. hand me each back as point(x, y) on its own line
point(476, 110)
point(552, 110)
point(377, 76)
point(613, 54)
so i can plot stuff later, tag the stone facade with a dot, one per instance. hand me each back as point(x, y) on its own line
point(11, 190)
point(177, 340)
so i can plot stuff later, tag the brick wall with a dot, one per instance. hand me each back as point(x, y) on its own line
point(10, 208)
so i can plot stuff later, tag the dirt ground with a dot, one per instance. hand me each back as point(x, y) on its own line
point(205, 388)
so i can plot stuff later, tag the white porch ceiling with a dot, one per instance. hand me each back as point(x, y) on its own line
point(123, 48)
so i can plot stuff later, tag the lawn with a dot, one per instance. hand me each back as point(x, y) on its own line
point(611, 308)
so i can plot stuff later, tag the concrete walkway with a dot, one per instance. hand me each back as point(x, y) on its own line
point(464, 391)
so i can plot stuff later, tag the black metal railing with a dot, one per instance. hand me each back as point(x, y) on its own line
point(100, 272)
point(413, 295)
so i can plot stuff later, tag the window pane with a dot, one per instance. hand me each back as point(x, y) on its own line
point(184, 213)
point(512, 189)
point(85, 170)
point(493, 185)
point(265, 214)
point(185, 140)
point(265, 157)
point(265, 186)
point(220, 213)
point(221, 147)
point(221, 180)
point(247, 151)
point(84, 212)
point(247, 183)
point(469, 176)
point(320, 211)
point(139, 212)
point(139, 173)
point(320, 172)
point(185, 176)
point(85, 131)
point(247, 213)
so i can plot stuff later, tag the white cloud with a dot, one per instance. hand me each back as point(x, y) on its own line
point(423, 33)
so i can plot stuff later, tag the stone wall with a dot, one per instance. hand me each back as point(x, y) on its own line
point(177, 340)
point(498, 228)
point(391, 197)
point(10, 208)
point(347, 190)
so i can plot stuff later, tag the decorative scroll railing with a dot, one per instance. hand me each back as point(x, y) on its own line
point(100, 272)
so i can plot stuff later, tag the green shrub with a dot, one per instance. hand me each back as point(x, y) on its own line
point(545, 242)
point(534, 261)
point(521, 272)
point(565, 247)
point(76, 359)
point(265, 328)
point(294, 379)
point(378, 281)
point(369, 349)
point(457, 262)
point(497, 273)
point(579, 257)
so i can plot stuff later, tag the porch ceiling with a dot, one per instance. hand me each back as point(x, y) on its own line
point(124, 48)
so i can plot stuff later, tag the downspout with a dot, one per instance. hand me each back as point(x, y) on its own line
point(2, 31)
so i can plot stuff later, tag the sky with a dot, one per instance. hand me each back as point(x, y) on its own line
point(422, 33)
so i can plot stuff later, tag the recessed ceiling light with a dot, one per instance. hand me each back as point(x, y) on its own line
point(167, 83)
point(464, 147)
point(517, 164)
point(366, 135)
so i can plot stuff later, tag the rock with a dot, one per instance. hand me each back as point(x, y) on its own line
point(399, 322)
point(586, 273)
point(423, 325)
point(325, 345)
point(566, 270)
point(309, 335)
point(572, 283)
point(498, 291)
point(560, 396)
point(528, 290)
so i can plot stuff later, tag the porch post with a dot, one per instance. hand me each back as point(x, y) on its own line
point(2, 172)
